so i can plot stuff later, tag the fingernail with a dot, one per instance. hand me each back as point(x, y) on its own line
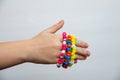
point(88, 53)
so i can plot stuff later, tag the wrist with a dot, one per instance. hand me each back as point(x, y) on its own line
point(24, 50)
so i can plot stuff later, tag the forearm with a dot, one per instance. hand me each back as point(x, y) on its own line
point(12, 53)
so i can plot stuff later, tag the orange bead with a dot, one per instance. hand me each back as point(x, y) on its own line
point(68, 54)
point(69, 37)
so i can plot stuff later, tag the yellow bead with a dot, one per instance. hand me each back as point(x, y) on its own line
point(70, 65)
point(73, 57)
point(73, 42)
point(72, 53)
point(73, 37)
point(74, 50)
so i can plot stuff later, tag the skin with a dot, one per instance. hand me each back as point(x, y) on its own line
point(42, 49)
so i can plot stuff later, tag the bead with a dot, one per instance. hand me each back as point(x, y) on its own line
point(58, 65)
point(74, 37)
point(66, 63)
point(73, 57)
point(67, 57)
point(69, 45)
point(69, 37)
point(64, 47)
point(74, 48)
point(65, 67)
point(65, 60)
point(68, 53)
point(73, 42)
point(68, 49)
point(64, 39)
point(64, 42)
point(71, 62)
point(73, 45)
point(64, 35)
point(63, 51)
point(72, 53)
point(70, 65)
point(59, 61)
point(68, 42)
point(62, 55)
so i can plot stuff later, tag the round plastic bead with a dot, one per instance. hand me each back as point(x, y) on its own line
point(68, 42)
point(64, 47)
point(70, 65)
point(66, 63)
point(62, 55)
point(74, 37)
point(69, 37)
point(73, 42)
point(73, 57)
point(64, 35)
point(68, 54)
point(65, 60)
point(58, 65)
point(64, 42)
point(69, 45)
point(68, 49)
point(63, 51)
point(60, 61)
point(73, 45)
point(67, 57)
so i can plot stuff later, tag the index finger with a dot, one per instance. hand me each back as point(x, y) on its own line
point(81, 43)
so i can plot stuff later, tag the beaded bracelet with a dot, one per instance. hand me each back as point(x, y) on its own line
point(68, 51)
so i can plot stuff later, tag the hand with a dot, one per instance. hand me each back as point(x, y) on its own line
point(45, 48)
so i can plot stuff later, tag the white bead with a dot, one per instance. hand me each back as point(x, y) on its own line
point(63, 51)
point(72, 62)
point(64, 39)
point(64, 42)
point(73, 45)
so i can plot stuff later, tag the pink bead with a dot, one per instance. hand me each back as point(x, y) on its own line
point(64, 35)
point(60, 61)
point(64, 47)
point(62, 55)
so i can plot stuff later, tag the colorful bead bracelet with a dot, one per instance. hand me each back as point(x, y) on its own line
point(68, 51)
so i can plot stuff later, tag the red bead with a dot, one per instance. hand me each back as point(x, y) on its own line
point(65, 66)
point(69, 45)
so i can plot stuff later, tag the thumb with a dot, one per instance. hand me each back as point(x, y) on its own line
point(55, 27)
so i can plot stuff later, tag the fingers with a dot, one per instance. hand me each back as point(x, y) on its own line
point(79, 57)
point(82, 51)
point(55, 27)
point(82, 44)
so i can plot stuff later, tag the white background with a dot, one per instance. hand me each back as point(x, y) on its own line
point(94, 21)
